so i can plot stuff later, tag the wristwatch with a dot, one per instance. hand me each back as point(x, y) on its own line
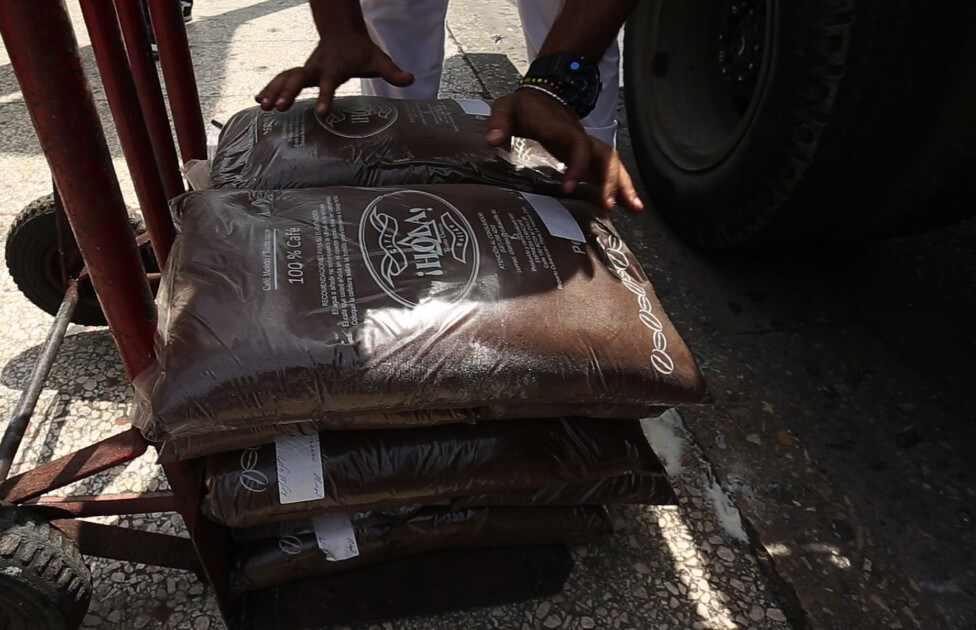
point(570, 78)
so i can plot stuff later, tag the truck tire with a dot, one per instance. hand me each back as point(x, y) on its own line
point(767, 123)
point(44, 582)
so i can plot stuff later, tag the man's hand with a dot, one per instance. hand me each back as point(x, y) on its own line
point(531, 114)
point(343, 56)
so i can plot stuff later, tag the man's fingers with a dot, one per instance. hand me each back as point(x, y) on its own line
point(399, 78)
point(617, 185)
point(627, 195)
point(327, 88)
point(578, 163)
point(501, 123)
point(294, 83)
point(267, 97)
point(608, 172)
point(609, 168)
point(382, 66)
point(393, 74)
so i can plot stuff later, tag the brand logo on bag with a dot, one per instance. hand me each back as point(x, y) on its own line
point(619, 264)
point(291, 545)
point(418, 245)
point(360, 119)
point(251, 478)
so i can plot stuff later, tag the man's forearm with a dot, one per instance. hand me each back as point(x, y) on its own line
point(587, 27)
point(330, 15)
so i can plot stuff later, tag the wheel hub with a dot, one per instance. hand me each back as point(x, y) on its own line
point(17, 611)
point(706, 70)
point(740, 46)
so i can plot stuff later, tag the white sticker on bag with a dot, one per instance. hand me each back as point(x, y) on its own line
point(299, 462)
point(335, 536)
point(474, 107)
point(556, 217)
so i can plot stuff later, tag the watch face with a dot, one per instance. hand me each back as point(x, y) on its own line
point(585, 81)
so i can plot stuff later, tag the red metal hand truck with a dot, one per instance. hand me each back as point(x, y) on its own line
point(44, 54)
point(41, 536)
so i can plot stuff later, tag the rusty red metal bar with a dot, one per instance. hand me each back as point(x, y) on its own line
point(103, 505)
point(118, 449)
point(181, 82)
point(44, 55)
point(131, 545)
point(150, 94)
point(113, 66)
point(62, 109)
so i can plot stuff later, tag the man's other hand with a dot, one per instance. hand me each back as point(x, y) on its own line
point(531, 114)
point(342, 57)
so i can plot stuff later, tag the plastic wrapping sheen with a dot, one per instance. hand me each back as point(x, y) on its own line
point(382, 308)
point(194, 446)
point(368, 470)
point(647, 488)
point(375, 141)
point(634, 489)
point(271, 561)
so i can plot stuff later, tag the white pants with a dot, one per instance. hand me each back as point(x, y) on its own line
point(411, 32)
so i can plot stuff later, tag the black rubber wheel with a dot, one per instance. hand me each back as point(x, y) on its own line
point(35, 266)
point(764, 123)
point(44, 582)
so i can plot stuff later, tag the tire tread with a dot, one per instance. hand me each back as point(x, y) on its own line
point(50, 563)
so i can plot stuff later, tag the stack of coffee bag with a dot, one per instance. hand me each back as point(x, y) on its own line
point(386, 341)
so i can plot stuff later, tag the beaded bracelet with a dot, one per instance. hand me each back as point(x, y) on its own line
point(542, 89)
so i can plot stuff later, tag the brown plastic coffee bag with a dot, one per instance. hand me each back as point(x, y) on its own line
point(375, 141)
point(496, 463)
point(340, 542)
point(379, 308)
point(193, 446)
point(633, 488)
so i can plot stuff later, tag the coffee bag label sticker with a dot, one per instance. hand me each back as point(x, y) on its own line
point(299, 463)
point(335, 536)
point(556, 217)
point(474, 107)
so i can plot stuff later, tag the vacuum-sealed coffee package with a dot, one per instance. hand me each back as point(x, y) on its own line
point(630, 489)
point(336, 542)
point(193, 446)
point(375, 141)
point(546, 462)
point(633, 488)
point(358, 308)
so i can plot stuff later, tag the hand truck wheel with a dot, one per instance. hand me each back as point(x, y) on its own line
point(34, 261)
point(44, 582)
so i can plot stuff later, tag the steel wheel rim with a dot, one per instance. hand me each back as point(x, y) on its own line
point(702, 74)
